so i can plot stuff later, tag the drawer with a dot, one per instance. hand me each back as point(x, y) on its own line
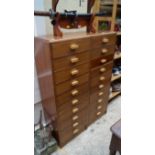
point(65, 136)
point(71, 73)
point(108, 39)
point(67, 97)
point(95, 99)
point(70, 47)
point(72, 107)
point(97, 94)
point(75, 120)
point(96, 112)
point(100, 80)
point(102, 51)
point(70, 61)
point(101, 70)
point(72, 102)
point(74, 83)
point(97, 107)
point(101, 60)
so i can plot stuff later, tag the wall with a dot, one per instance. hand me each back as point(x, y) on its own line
point(42, 26)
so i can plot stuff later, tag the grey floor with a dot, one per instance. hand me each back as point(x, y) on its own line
point(96, 139)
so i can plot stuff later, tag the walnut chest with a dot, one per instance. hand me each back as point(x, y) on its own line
point(74, 74)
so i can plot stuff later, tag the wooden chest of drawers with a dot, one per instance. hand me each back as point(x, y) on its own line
point(74, 74)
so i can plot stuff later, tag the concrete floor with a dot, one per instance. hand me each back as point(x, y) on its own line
point(96, 139)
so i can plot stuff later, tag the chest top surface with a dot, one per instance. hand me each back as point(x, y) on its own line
point(71, 36)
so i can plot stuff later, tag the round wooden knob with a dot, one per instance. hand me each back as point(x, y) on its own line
point(68, 27)
point(103, 61)
point(74, 59)
point(102, 78)
point(74, 72)
point(75, 110)
point(104, 50)
point(74, 46)
point(75, 117)
point(99, 113)
point(101, 86)
point(75, 131)
point(75, 101)
point(100, 93)
point(99, 107)
point(99, 100)
point(74, 82)
point(74, 92)
point(105, 40)
point(75, 124)
point(102, 70)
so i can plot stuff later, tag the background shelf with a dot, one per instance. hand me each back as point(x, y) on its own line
point(118, 33)
point(117, 55)
point(114, 94)
point(115, 77)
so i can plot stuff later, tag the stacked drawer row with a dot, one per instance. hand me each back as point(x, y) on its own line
point(100, 74)
point(71, 73)
point(81, 73)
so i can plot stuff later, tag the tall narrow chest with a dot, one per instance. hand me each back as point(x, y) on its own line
point(74, 74)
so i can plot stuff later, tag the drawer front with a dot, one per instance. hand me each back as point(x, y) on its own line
point(101, 60)
point(71, 73)
point(97, 107)
point(100, 80)
point(72, 109)
point(96, 99)
point(96, 111)
point(98, 102)
point(102, 51)
point(74, 83)
point(73, 101)
point(69, 96)
point(97, 94)
point(101, 70)
point(70, 61)
point(98, 41)
point(75, 120)
point(70, 47)
point(68, 134)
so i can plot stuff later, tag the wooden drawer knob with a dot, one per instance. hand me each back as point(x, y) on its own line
point(75, 124)
point(68, 27)
point(75, 131)
point(74, 59)
point(104, 50)
point(100, 93)
point(74, 72)
point(99, 113)
point(105, 40)
point(99, 107)
point(74, 82)
point(101, 86)
point(75, 101)
point(75, 110)
point(74, 46)
point(103, 61)
point(99, 100)
point(102, 70)
point(74, 92)
point(102, 78)
point(75, 117)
